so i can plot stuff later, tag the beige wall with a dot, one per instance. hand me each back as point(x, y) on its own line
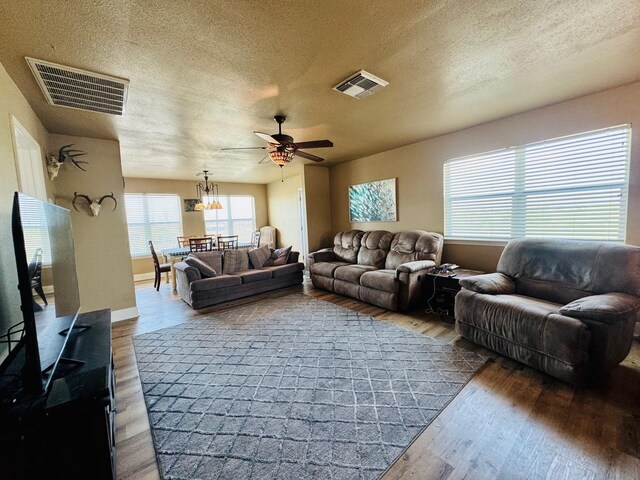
point(283, 211)
point(317, 196)
point(193, 222)
point(101, 243)
point(12, 102)
point(418, 167)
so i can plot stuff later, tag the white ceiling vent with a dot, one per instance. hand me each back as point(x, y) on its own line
point(360, 85)
point(73, 88)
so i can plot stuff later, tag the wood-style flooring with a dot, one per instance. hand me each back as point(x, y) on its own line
point(509, 422)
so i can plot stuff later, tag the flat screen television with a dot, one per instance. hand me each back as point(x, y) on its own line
point(48, 285)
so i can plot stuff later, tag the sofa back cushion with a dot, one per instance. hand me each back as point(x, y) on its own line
point(235, 261)
point(374, 247)
point(412, 246)
point(346, 245)
point(562, 270)
point(214, 259)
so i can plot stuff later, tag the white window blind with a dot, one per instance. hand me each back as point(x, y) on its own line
point(152, 217)
point(571, 187)
point(36, 231)
point(237, 217)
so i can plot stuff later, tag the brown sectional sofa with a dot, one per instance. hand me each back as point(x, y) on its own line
point(565, 307)
point(377, 267)
point(202, 292)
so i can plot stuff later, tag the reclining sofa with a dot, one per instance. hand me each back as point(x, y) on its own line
point(377, 267)
point(565, 307)
point(202, 292)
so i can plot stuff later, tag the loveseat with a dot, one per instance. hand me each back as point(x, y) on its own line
point(202, 292)
point(565, 307)
point(377, 267)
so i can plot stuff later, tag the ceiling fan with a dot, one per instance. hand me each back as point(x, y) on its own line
point(282, 148)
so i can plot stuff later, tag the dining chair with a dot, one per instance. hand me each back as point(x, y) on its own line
point(158, 267)
point(183, 241)
point(35, 274)
point(201, 244)
point(255, 239)
point(228, 242)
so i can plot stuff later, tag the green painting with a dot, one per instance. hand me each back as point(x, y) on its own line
point(373, 201)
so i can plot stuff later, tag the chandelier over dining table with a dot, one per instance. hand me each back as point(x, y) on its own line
point(207, 194)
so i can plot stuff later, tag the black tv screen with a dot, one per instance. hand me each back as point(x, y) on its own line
point(48, 284)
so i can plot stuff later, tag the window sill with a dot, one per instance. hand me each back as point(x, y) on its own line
point(490, 243)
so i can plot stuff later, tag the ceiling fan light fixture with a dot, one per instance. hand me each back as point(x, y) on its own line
point(282, 156)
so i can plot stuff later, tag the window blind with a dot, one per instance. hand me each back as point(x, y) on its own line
point(237, 217)
point(152, 217)
point(570, 187)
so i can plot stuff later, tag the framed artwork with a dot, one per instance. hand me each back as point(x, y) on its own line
point(373, 201)
point(190, 204)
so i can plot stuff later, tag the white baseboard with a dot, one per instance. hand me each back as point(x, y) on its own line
point(140, 277)
point(124, 314)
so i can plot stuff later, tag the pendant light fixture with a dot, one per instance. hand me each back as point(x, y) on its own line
point(207, 194)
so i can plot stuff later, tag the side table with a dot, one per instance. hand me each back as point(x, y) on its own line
point(440, 290)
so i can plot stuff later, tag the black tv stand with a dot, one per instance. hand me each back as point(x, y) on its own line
point(69, 432)
point(76, 326)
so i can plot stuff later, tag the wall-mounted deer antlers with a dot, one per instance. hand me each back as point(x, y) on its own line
point(64, 153)
point(94, 204)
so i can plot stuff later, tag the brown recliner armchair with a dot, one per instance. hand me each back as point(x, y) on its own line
point(565, 307)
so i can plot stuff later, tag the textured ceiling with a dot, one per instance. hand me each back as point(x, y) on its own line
point(204, 75)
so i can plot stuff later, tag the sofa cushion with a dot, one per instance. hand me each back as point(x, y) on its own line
point(235, 261)
point(204, 268)
point(374, 247)
point(212, 258)
point(281, 270)
point(278, 257)
point(326, 269)
point(253, 275)
point(384, 280)
point(259, 256)
point(412, 246)
point(215, 282)
point(346, 245)
point(351, 273)
point(569, 267)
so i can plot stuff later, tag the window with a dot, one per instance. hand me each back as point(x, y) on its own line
point(237, 217)
point(152, 217)
point(571, 187)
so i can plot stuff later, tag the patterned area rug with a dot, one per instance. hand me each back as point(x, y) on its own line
point(292, 388)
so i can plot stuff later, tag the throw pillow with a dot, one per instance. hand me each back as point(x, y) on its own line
point(279, 257)
point(259, 256)
point(205, 270)
point(235, 261)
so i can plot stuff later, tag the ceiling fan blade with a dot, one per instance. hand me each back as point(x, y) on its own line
point(308, 156)
point(267, 138)
point(262, 162)
point(244, 148)
point(315, 144)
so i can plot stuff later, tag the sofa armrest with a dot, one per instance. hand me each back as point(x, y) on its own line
point(607, 308)
point(489, 283)
point(293, 257)
point(191, 273)
point(324, 255)
point(413, 267)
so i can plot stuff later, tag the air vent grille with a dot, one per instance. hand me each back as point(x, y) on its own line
point(360, 85)
point(80, 89)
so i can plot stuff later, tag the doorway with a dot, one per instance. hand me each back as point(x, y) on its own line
point(28, 158)
point(303, 227)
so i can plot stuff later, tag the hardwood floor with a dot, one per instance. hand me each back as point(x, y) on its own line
point(509, 422)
